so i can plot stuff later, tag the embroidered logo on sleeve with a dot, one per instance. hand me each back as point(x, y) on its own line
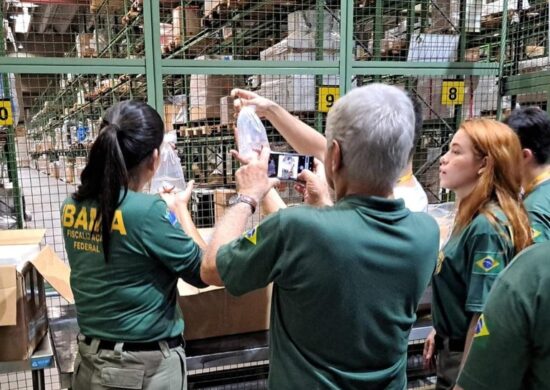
point(171, 217)
point(488, 264)
point(251, 235)
point(481, 328)
point(536, 233)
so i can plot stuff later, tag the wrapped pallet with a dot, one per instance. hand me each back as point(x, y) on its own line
point(205, 92)
point(294, 93)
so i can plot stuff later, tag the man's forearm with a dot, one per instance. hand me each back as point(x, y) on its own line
point(229, 228)
point(303, 138)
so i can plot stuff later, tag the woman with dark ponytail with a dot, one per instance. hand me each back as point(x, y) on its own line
point(127, 251)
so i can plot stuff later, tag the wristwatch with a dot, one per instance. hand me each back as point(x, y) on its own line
point(240, 198)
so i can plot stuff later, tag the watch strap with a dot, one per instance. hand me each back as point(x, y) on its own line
point(248, 200)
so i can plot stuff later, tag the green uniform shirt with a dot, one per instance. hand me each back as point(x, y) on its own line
point(347, 281)
point(537, 204)
point(467, 268)
point(511, 347)
point(133, 296)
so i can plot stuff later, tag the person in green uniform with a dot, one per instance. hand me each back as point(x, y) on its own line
point(346, 279)
point(532, 125)
point(482, 167)
point(306, 140)
point(511, 345)
point(127, 251)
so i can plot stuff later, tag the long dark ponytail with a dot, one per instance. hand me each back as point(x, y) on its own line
point(130, 132)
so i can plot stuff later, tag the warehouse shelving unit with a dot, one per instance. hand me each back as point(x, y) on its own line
point(184, 56)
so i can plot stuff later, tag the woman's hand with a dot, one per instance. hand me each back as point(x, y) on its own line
point(177, 200)
point(429, 351)
point(245, 98)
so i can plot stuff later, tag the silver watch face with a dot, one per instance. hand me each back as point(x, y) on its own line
point(233, 200)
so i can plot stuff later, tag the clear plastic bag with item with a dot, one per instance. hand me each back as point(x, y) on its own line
point(169, 175)
point(251, 135)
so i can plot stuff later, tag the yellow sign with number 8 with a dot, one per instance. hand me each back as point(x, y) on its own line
point(452, 93)
point(327, 97)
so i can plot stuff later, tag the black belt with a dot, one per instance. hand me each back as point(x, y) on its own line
point(172, 342)
point(455, 345)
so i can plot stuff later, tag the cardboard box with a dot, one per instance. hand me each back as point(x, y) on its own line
point(294, 93)
point(306, 22)
point(221, 201)
point(90, 44)
point(209, 6)
point(213, 312)
point(113, 6)
point(227, 110)
point(186, 22)
point(205, 92)
point(23, 266)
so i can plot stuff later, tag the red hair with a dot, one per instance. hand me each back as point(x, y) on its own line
point(500, 180)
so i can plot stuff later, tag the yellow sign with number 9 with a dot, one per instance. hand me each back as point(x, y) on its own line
point(327, 97)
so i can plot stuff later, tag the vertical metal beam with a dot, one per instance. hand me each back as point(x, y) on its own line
point(10, 150)
point(319, 51)
point(153, 54)
point(502, 57)
point(461, 55)
point(346, 45)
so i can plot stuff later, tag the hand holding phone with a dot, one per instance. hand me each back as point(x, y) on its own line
point(287, 166)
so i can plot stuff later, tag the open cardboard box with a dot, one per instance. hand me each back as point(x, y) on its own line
point(212, 311)
point(23, 268)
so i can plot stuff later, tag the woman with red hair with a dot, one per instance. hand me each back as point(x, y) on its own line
point(482, 167)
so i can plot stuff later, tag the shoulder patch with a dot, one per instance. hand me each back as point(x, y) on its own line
point(489, 263)
point(440, 260)
point(536, 232)
point(171, 217)
point(481, 328)
point(252, 235)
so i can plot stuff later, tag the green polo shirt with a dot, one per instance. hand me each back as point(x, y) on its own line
point(133, 296)
point(467, 268)
point(347, 281)
point(511, 347)
point(537, 204)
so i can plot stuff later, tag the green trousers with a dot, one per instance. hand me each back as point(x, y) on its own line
point(98, 369)
point(448, 368)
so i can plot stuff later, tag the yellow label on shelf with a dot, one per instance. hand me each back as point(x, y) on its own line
point(6, 116)
point(327, 98)
point(452, 93)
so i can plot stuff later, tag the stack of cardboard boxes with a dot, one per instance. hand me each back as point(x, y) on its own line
point(297, 93)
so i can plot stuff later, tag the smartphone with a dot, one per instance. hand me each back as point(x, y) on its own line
point(287, 166)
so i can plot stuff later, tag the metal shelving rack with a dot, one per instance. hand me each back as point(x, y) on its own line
point(140, 60)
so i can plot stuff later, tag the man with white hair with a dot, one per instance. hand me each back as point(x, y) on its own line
point(347, 278)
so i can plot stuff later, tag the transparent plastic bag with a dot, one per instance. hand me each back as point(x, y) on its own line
point(444, 214)
point(251, 135)
point(169, 175)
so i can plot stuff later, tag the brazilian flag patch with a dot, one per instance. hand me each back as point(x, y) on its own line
point(251, 235)
point(481, 328)
point(536, 233)
point(488, 264)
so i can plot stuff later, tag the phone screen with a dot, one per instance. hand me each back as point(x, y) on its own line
point(287, 166)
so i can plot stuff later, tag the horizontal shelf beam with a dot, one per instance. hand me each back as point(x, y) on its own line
point(220, 67)
point(527, 83)
point(54, 65)
point(403, 68)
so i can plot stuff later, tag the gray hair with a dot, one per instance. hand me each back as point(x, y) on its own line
point(374, 126)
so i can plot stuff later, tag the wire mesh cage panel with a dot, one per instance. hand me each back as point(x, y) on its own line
point(85, 29)
point(527, 38)
point(199, 107)
point(271, 30)
point(426, 31)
